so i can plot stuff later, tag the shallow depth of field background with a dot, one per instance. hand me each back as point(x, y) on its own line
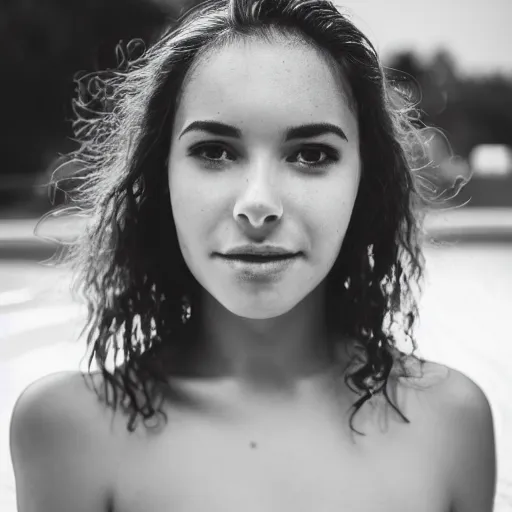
point(454, 58)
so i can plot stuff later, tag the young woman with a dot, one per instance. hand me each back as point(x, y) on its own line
point(253, 254)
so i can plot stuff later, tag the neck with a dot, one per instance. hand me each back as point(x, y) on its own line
point(263, 356)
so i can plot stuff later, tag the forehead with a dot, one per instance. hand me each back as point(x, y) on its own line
point(279, 81)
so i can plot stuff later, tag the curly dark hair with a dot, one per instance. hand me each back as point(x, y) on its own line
point(128, 265)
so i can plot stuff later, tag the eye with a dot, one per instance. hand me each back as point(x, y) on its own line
point(212, 152)
point(316, 156)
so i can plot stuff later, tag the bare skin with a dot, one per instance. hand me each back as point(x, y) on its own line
point(298, 455)
point(229, 454)
point(294, 457)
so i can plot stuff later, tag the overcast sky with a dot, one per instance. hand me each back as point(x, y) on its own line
point(477, 32)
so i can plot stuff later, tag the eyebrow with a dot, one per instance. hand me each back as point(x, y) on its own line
point(297, 132)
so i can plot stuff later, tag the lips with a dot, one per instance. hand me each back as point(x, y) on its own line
point(259, 268)
point(258, 258)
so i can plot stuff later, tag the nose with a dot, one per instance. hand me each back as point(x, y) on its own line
point(258, 206)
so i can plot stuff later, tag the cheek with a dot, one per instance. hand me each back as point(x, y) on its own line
point(333, 220)
point(330, 212)
point(192, 204)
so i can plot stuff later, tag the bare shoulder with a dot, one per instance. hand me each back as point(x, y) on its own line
point(433, 388)
point(67, 397)
point(446, 389)
point(470, 443)
point(46, 402)
point(60, 452)
point(454, 412)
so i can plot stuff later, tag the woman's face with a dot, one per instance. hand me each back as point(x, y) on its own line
point(264, 151)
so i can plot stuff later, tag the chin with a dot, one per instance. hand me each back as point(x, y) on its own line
point(257, 310)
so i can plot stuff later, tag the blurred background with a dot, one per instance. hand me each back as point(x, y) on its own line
point(453, 58)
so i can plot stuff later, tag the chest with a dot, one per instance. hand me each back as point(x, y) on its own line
point(301, 468)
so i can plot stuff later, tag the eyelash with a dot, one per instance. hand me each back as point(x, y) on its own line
point(331, 155)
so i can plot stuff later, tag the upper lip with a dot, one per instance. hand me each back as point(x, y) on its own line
point(258, 250)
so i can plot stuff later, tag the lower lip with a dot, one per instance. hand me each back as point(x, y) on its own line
point(257, 270)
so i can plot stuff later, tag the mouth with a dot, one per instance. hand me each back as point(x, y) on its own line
point(258, 268)
point(258, 258)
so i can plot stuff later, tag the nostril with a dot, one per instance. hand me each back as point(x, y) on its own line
point(268, 219)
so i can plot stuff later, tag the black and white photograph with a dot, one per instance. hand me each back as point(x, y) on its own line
point(197, 314)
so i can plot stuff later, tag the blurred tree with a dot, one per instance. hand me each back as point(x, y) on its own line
point(42, 45)
point(469, 111)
